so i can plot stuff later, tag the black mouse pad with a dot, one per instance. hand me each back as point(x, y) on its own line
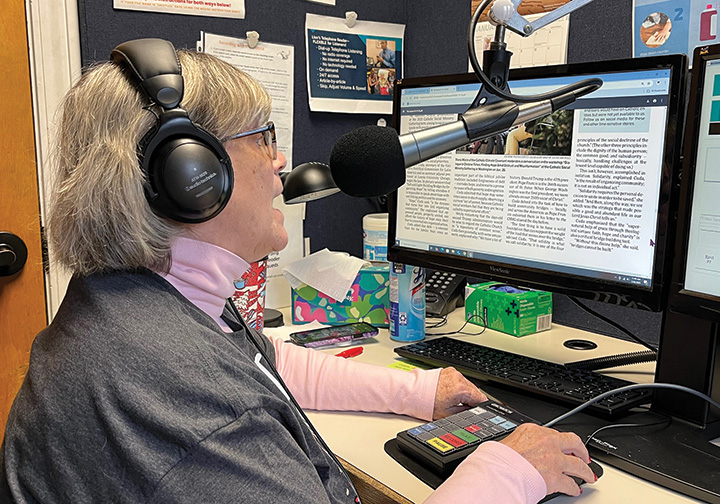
point(433, 480)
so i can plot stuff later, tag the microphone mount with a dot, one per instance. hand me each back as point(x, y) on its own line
point(495, 70)
point(493, 112)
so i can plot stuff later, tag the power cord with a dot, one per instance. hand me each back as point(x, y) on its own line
point(612, 323)
point(438, 321)
point(460, 331)
point(665, 420)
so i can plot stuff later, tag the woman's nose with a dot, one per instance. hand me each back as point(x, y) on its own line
point(280, 162)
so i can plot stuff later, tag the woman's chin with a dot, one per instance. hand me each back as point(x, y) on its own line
point(282, 243)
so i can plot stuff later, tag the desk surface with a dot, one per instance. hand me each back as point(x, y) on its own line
point(358, 438)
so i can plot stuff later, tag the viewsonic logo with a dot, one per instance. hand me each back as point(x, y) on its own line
point(495, 269)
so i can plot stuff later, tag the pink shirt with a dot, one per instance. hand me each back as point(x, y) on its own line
point(205, 274)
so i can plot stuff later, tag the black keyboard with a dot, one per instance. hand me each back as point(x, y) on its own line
point(554, 381)
point(443, 444)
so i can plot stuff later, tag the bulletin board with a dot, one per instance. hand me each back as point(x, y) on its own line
point(435, 43)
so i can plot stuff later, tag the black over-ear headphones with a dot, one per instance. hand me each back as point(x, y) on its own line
point(189, 173)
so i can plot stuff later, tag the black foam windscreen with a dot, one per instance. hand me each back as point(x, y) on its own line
point(368, 162)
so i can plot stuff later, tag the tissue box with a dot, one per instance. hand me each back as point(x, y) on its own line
point(367, 300)
point(517, 314)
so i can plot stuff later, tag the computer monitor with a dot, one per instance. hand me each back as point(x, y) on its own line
point(579, 202)
point(684, 455)
point(689, 353)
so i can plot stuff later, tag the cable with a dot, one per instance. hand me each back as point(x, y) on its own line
point(460, 331)
point(628, 388)
point(666, 420)
point(582, 87)
point(609, 361)
point(612, 323)
point(440, 321)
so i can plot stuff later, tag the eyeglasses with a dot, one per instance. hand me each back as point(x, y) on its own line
point(269, 142)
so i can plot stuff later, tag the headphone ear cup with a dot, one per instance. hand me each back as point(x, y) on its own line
point(189, 172)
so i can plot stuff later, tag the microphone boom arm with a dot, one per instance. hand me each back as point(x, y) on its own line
point(522, 26)
point(353, 160)
point(496, 61)
point(475, 124)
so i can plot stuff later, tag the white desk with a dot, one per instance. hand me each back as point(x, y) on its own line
point(358, 438)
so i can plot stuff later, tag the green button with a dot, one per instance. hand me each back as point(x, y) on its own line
point(465, 435)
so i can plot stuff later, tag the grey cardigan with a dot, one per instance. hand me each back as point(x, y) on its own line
point(135, 395)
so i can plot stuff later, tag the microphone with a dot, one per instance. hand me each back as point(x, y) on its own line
point(371, 161)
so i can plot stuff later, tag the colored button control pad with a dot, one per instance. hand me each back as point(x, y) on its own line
point(442, 444)
point(466, 428)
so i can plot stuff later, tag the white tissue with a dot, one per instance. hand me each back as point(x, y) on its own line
point(331, 273)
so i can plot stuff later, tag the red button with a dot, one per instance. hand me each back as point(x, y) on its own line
point(453, 440)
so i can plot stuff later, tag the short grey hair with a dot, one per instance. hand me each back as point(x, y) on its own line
point(99, 219)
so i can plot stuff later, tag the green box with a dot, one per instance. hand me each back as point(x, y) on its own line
point(519, 314)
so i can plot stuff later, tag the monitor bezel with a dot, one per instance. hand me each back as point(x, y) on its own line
point(653, 298)
point(682, 300)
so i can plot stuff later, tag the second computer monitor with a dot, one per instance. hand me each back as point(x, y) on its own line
point(576, 202)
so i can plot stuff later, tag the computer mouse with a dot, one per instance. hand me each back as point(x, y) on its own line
point(596, 468)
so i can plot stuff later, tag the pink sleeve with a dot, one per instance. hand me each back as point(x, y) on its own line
point(492, 473)
point(354, 386)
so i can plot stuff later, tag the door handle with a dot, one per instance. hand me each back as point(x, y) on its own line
point(13, 254)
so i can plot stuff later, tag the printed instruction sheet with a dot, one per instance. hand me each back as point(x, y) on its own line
point(352, 70)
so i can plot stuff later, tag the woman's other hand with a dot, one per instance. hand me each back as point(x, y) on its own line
point(455, 393)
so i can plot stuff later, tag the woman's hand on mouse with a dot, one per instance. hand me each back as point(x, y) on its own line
point(556, 455)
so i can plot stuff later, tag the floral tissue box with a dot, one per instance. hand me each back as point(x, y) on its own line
point(367, 300)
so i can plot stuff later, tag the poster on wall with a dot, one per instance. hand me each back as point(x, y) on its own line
point(215, 8)
point(673, 26)
point(352, 70)
point(270, 64)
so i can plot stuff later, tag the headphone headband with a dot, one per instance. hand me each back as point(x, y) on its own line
point(156, 67)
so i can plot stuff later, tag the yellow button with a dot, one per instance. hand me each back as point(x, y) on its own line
point(439, 444)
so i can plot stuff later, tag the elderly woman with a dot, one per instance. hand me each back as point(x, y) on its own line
point(147, 386)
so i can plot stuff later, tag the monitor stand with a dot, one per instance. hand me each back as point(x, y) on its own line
point(679, 456)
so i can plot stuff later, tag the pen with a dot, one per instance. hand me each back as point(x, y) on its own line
point(350, 352)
